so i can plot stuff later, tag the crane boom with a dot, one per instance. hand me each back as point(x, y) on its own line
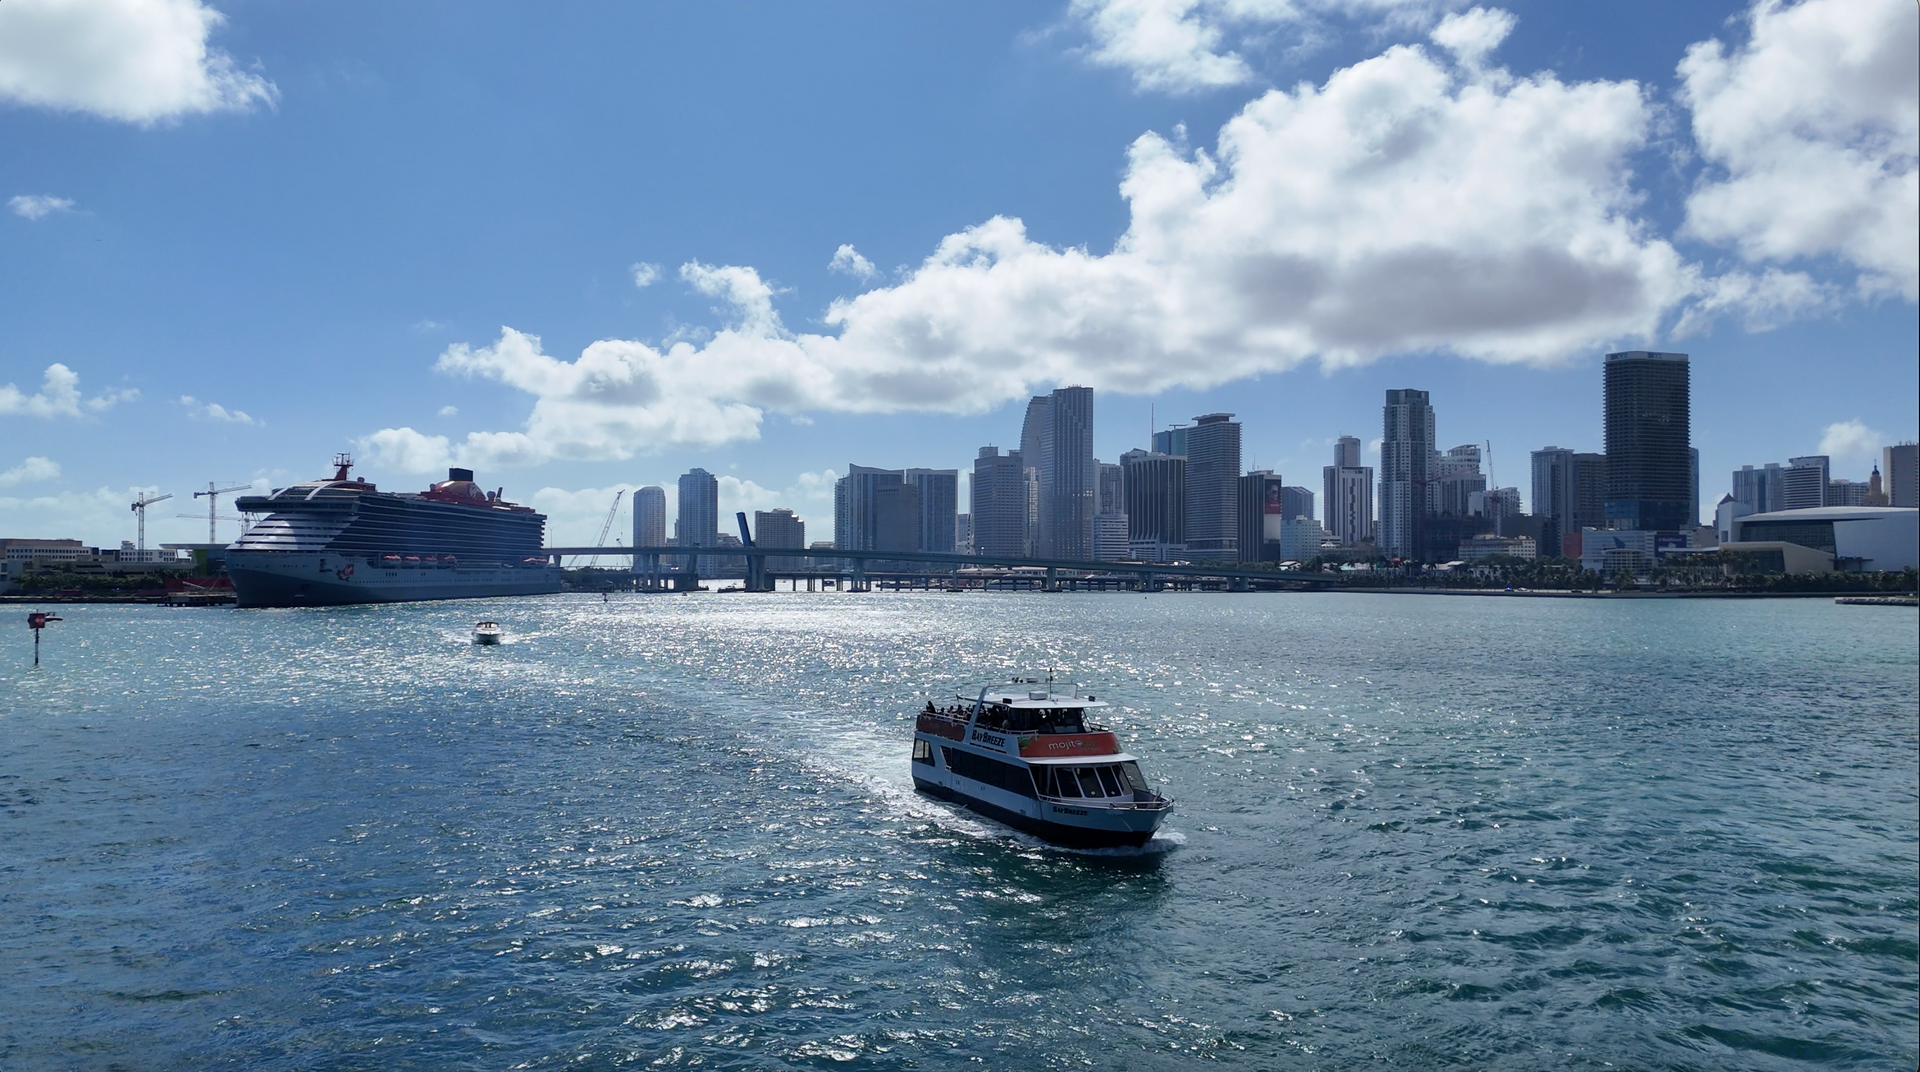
point(605, 527)
point(213, 507)
point(140, 510)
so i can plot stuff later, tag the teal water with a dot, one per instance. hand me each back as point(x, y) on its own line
point(1411, 832)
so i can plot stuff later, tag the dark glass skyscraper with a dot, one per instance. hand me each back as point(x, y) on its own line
point(1648, 429)
point(1406, 453)
point(1213, 488)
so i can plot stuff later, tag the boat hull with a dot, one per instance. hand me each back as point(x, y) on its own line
point(1116, 829)
point(318, 579)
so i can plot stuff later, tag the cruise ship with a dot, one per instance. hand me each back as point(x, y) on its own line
point(339, 541)
point(1029, 757)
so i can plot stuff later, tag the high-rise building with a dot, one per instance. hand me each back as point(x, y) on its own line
point(1406, 452)
point(1300, 538)
point(1213, 487)
point(1262, 509)
point(1554, 480)
point(1649, 467)
point(1900, 471)
point(1110, 543)
point(896, 516)
point(1348, 486)
point(1455, 476)
point(1155, 487)
point(1589, 491)
point(1171, 440)
point(1110, 536)
point(963, 534)
point(939, 505)
point(698, 524)
point(779, 528)
point(1844, 492)
point(1760, 488)
point(649, 518)
point(1693, 477)
point(1803, 483)
point(1296, 502)
point(1066, 470)
point(1033, 455)
point(1109, 495)
point(867, 509)
point(999, 495)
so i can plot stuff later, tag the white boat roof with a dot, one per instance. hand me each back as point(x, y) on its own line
point(1033, 698)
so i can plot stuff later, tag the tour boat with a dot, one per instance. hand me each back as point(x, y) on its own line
point(488, 633)
point(1029, 757)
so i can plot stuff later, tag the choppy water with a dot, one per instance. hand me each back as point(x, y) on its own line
point(1411, 832)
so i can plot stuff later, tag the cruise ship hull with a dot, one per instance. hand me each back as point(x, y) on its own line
point(320, 579)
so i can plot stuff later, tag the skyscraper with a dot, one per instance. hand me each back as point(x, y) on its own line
point(1406, 451)
point(1171, 440)
point(1033, 455)
point(1213, 487)
point(1109, 496)
point(779, 528)
point(1066, 474)
point(650, 517)
point(1556, 479)
point(1456, 475)
point(1155, 486)
point(1261, 510)
point(868, 509)
point(1803, 483)
point(698, 524)
point(1900, 470)
point(1349, 494)
point(649, 525)
point(1296, 502)
point(1648, 430)
point(939, 506)
point(999, 501)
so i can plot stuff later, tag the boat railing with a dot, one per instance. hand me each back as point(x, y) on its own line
point(1142, 801)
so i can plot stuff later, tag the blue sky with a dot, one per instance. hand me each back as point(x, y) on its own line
point(250, 235)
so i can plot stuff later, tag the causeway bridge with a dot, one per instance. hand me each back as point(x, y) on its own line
point(855, 570)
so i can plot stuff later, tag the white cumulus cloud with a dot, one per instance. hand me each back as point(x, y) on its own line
point(644, 274)
point(140, 61)
point(848, 261)
point(213, 411)
point(1852, 439)
point(1813, 131)
point(1411, 203)
point(28, 471)
point(35, 206)
point(59, 396)
point(1185, 46)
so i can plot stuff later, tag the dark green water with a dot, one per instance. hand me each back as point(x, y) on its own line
point(679, 832)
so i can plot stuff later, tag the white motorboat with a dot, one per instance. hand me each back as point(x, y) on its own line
point(488, 633)
point(1028, 757)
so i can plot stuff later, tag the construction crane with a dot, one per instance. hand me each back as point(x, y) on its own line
point(605, 527)
point(140, 510)
point(213, 507)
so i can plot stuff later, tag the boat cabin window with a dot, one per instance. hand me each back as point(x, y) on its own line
point(1111, 781)
point(922, 752)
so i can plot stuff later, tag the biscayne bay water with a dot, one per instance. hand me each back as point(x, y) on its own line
point(679, 832)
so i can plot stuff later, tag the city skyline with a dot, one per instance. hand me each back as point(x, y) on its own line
point(231, 276)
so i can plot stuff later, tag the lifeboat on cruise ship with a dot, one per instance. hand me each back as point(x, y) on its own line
point(1026, 756)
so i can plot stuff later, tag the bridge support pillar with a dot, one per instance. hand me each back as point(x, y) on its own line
point(1053, 580)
